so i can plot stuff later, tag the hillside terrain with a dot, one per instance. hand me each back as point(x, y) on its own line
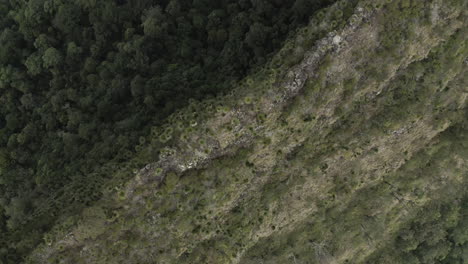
point(346, 143)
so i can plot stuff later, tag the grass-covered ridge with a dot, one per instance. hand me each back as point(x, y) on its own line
point(330, 159)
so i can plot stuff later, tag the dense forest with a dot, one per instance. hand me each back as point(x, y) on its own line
point(248, 131)
point(439, 234)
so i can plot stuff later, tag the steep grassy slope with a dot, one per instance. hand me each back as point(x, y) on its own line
point(328, 155)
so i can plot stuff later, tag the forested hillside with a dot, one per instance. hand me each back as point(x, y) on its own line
point(82, 81)
point(138, 131)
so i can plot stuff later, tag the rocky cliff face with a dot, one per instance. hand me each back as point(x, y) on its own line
point(355, 127)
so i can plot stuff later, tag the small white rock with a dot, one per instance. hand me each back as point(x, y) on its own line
point(336, 39)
